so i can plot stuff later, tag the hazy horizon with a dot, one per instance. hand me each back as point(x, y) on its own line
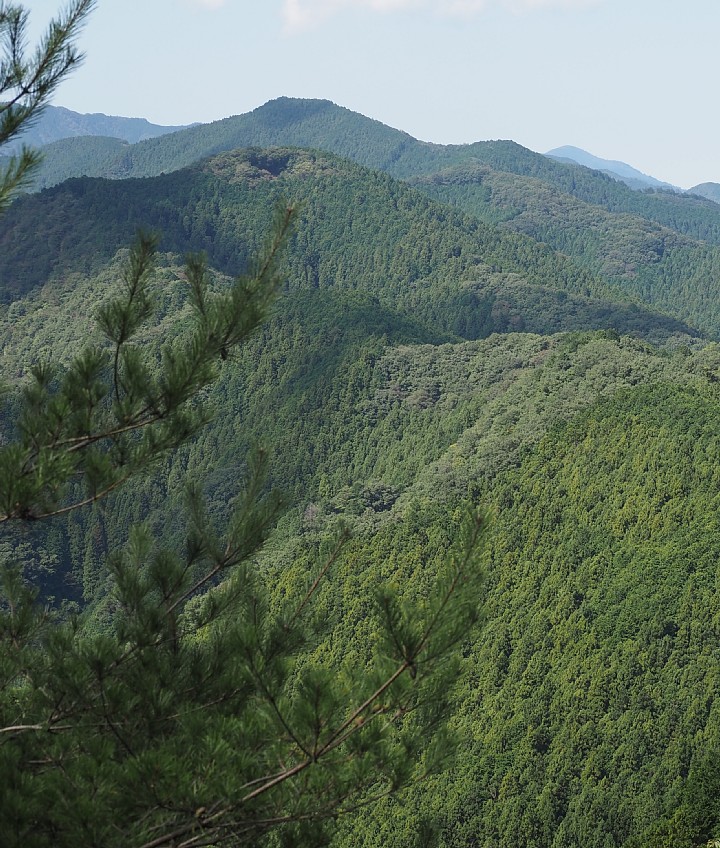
point(626, 82)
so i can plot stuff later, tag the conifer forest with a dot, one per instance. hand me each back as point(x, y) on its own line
point(354, 490)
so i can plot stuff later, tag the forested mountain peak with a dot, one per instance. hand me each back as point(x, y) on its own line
point(300, 123)
point(631, 240)
point(384, 335)
point(324, 125)
point(478, 332)
point(287, 110)
point(283, 112)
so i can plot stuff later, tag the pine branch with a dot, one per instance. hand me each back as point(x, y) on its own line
point(165, 409)
point(32, 83)
point(329, 562)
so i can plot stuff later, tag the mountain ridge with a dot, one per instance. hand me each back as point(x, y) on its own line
point(412, 365)
point(57, 123)
point(324, 125)
point(618, 170)
point(476, 279)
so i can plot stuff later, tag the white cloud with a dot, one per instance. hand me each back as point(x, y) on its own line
point(301, 14)
point(523, 5)
point(208, 4)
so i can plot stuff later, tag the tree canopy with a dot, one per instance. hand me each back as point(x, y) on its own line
point(187, 708)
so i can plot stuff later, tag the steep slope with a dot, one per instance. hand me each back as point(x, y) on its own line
point(359, 230)
point(588, 697)
point(652, 263)
point(591, 692)
point(604, 698)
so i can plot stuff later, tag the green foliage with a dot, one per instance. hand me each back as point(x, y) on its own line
point(186, 704)
point(439, 267)
point(657, 247)
point(218, 683)
point(105, 431)
point(588, 704)
point(322, 125)
point(27, 83)
point(605, 536)
point(186, 710)
point(634, 253)
point(607, 507)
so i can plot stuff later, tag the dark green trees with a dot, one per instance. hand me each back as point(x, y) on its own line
point(189, 709)
point(186, 708)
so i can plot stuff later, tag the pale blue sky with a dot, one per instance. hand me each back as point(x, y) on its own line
point(634, 80)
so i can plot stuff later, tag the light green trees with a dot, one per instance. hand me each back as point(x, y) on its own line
point(186, 709)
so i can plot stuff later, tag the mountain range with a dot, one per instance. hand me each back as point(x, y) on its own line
point(56, 123)
point(633, 240)
point(626, 173)
point(459, 324)
point(618, 170)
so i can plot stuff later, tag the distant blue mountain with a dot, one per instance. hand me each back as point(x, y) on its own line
point(618, 170)
point(710, 191)
point(57, 123)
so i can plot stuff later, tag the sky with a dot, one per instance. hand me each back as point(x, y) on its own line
point(632, 80)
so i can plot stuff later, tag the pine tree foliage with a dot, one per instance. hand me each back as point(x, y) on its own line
point(28, 83)
point(114, 412)
point(187, 708)
point(188, 712)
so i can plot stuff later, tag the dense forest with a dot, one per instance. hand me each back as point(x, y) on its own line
point(457, 325)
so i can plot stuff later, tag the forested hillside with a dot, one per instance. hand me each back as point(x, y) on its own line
point(659, 246)
point(430, 350)
point(591, 695)
point(323, 125)
point(651, 262)
point(449, 270)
